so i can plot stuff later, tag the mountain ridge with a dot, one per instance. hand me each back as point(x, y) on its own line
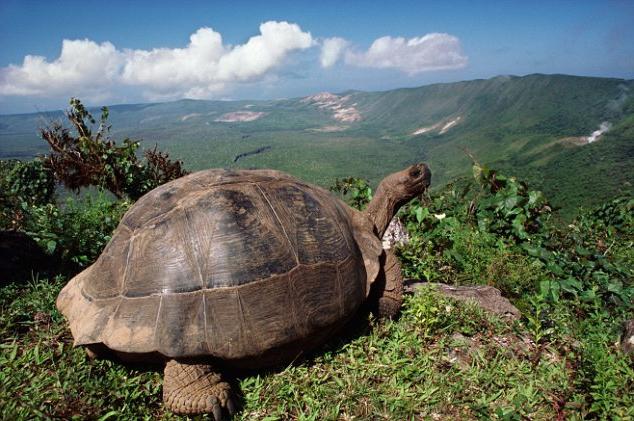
point(527, 125)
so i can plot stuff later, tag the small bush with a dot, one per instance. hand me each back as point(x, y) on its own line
point(23, 184)
point(354, 191)
point(92, 158)
point(78, 229)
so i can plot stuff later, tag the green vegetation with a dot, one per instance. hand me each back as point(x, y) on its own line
point(440, 359)
point(525, 126)
point(22, 185)
point(86, 159)
point(76, 229)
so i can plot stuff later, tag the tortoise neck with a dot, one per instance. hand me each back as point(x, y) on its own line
point(393, 192)
point(384, 206)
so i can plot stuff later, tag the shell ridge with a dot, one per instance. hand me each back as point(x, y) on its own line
point(336, 221)
point(202, 291)
point(206, 335)
point(245, 327)
point(195, 258)
point(277, 218)
point(127, 265)
point(110, 318)
point(339, 292)
point(293, 303)
point(156, 321)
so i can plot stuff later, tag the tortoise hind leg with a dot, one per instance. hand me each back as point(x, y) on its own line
point(195, 389)
point(389, 286)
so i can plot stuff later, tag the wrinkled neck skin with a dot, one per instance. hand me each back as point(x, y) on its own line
point(393, 192)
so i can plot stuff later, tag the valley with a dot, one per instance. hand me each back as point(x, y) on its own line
point(572, 137)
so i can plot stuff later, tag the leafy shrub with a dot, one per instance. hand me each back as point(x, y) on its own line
point(354, 191)
point(23, 184)
point(510, 209)
point(78, 230)
point(93, 159)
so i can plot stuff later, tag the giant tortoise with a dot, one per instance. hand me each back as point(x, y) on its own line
point(235, 268)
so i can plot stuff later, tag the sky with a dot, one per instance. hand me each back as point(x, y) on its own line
point(113, 52)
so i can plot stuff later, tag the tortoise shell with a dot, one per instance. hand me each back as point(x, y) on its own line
point(229, 264)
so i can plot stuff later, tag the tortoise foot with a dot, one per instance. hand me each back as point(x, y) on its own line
point(196, 389)
point(389, 307)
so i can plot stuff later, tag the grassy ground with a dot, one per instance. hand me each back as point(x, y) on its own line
point(441, 359)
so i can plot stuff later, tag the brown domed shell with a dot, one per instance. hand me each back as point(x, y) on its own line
point(224, 263)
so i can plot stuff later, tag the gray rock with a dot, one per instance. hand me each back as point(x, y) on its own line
point(487, 297)
point(395, 235)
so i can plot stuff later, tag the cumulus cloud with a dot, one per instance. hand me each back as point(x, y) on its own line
point(204, 67)
point(435, 51)
point(82, 65)
point(207, 67)
point(331, 50)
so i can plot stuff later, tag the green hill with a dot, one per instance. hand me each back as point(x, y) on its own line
point(533, 126)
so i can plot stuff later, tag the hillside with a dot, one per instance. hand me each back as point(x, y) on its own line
point(535, 126)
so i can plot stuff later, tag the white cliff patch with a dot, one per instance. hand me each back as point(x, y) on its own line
point(338, 105)
point(449, 125)
point(188, 116)
point(240, 116)
point(441, 127)
point(424, 130)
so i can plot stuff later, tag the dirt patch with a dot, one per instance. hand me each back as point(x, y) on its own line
point(328, 129)
point(338, 105)
point(573, 140)
point(240, 116)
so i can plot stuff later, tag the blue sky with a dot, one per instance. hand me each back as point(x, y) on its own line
point(110, 52)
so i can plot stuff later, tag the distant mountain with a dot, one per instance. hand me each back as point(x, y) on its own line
point(571, 136)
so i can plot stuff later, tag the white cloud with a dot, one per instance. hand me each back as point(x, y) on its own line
point(204, 67)
point(331, 50)
point(433, 51)
point(207, 67)
point(82, 66)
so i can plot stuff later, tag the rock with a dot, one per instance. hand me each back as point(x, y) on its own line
point(487, 297)
point(395, 234)
point(627, 340)
point(460, 350)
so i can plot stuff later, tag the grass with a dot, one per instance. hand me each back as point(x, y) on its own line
point(440, 359)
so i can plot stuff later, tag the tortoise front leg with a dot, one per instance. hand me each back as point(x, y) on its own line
point(389, 286)
point(195, 389)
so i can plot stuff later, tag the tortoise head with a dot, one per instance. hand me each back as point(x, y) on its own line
point(394, 191)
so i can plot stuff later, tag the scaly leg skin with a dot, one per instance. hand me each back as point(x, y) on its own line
point(195, 389)
point(391, 281)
